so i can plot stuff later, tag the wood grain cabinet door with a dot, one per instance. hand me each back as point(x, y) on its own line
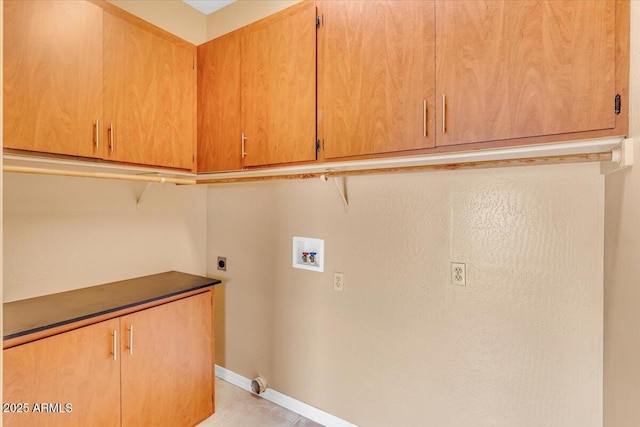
point(279, 87)
point(376, 77)
point(167, 364)
point(513, 69)
point(53, 77)
point(219, 126)
point(68, 380)
point(149, 91)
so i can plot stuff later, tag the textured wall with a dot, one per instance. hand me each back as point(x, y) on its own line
point(66, 233)
point(622, 269)
point(520, 345)
point(242, 226)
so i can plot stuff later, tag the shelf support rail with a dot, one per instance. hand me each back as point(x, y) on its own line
point(143, 194)
point(340, 183)
point(621, 158)
point(99, 175)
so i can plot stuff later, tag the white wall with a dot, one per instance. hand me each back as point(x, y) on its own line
point(174, 16)
point(184, 21)
point(241, 13)
point(622, 269)
point(65, 233)
point(520, 345)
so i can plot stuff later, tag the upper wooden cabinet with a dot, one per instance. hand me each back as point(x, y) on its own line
point(257, 93)
point(376, 77)
point(387, 78)
point(150, 97)
point(518, 69)
point(496, 72)
point(88, 79)
point(279, 87)
point(219, 124)
point(53, 77)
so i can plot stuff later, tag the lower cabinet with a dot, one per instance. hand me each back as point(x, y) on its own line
point(153, 367)
point(167, 364)
point(74, 373)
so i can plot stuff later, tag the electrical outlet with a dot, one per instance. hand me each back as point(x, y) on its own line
point(458, 274)
point(338, 281)
point(222, 263)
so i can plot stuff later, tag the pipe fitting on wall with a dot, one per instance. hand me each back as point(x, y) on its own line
point(259, 384)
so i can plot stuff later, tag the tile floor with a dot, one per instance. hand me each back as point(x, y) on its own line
point(236, 407)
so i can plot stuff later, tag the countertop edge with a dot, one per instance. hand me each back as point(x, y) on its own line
point(101, 313)
point(61, 323)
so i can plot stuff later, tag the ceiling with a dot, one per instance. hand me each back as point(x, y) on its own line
point(208, 6)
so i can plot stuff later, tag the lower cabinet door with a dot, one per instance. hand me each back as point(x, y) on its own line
point(167, 363)
point(70, 379)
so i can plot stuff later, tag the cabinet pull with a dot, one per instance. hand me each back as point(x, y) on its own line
point(97, 135)
point(444, 114)
point(130, 329)
point(424, 118)
point(115, 344)
point(244, 138)
point(112, 137)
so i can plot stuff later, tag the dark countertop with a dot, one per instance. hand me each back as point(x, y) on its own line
point(37, 314)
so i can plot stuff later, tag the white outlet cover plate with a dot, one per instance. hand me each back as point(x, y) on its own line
point(338, 281)
point(308, 244)
point(458, 274)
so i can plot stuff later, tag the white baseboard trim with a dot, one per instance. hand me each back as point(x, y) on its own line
point(283, 400)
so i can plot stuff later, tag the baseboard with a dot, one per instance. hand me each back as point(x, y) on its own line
point(307, 411)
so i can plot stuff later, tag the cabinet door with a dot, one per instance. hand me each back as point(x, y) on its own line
point(167, 364)
point(70, 379)
point(149, 93)
point(279, 87)
point(377, 73)
point(219, 126)
point(513, 69)
point(52, 76)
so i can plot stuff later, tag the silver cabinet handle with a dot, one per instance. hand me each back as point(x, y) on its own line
point(97, 135)
point(244, 138)
point(115, 344)
point(112, 131)
point(444, 114)
point(424, 118)
point(130, 329)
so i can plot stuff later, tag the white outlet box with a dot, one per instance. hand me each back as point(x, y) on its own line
point(308, 253)
point(458, 274)
point(338, 281)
